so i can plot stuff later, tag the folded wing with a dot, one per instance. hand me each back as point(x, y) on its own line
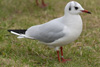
point(47, 32)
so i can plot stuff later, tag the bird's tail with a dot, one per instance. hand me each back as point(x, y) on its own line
point(20, 33)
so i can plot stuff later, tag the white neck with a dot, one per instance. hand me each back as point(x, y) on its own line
point(73, 22)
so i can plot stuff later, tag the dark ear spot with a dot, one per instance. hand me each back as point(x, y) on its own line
point(76, 8)
point(69, 8)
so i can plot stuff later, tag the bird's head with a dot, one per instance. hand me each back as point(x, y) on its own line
point(74, 7)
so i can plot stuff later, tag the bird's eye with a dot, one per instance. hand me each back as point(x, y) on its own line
point(76, 8)
point(69, 8)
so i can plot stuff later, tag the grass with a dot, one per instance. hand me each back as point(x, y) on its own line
point(21, 14)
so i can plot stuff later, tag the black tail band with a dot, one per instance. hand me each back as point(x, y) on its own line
point(20, 31)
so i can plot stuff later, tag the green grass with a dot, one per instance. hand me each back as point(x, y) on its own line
point(21, 14)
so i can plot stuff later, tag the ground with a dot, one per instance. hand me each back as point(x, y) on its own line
point(21, 14)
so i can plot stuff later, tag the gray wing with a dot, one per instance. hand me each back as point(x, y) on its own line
point(47, 32)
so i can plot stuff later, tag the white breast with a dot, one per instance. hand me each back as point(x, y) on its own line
point(72, 30)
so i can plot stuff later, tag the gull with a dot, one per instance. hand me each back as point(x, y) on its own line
point(57, 32)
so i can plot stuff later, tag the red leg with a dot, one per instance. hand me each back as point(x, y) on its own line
point(37, 3)
point(58, 56)
point(62, 58)
point(43, 4)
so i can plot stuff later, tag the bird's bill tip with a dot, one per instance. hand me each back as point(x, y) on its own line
point(86, 11)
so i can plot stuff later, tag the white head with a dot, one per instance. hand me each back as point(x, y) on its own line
point(74, 8)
